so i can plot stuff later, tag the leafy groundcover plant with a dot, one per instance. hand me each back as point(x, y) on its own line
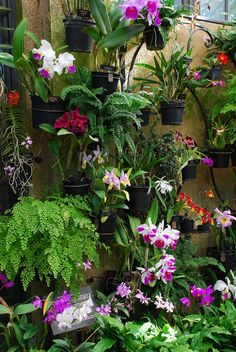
point(50, 238)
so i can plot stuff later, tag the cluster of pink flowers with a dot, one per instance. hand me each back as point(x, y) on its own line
point(112, 180)
point(142, 9)
point(73, 122)
point(204, 296)
point(162, 238)
point(218, 83)
point(5, 283)
point(160, 303)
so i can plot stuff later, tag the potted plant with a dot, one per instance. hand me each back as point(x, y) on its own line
point(108, 195)
point(222, 135)
point(225, 238)
point(193, 214)
point(225, 40)
point(69, 140)
point(77, 19)
point(112, 33)
point(188, 156)
point(36, 70)
point(213, 66)
point(168, 79)
point(16, 144)
point(60, 228)
point(159, 18)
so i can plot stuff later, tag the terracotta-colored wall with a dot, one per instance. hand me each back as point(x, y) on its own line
point(45, 19)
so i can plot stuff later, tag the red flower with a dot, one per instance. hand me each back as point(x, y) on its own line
point(189, 142)
point(181, 196)
point(13, 98)
point(223, 58)
point(73, 122)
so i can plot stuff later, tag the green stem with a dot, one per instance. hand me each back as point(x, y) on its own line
point(146, 257)
point(78, 348)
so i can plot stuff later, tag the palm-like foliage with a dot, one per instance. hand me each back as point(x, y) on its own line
point(167, 77)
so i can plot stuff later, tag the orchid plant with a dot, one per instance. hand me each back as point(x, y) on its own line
point(37, 68)
point(69, 131)
point(224, 233)
point(159, 13)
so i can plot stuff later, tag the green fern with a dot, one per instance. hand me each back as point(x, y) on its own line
point(50, 238)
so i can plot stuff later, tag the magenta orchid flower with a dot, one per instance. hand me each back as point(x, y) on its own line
point(147, 230)
point(185, 301)
point(208, 161)
point(37, 302)
point(123, 290)
point(166, 267)
point(224, 219)
point(142, 297)
point(147, 275)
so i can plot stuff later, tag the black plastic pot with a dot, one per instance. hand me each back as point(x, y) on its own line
point(140, 199)
point(46, 112)
point(189, 172)
point(107, 80)
point(145, 116)
point(106, 230)
point(175, 222)
point(153, 38)
point(77, 184)
point(214, 73)
point(7, 197)
point(226, 257)
point(233, 158)
point(204, 228)
point(186, 226)
point(220, 158)
point(172, 112)
point(76, 39)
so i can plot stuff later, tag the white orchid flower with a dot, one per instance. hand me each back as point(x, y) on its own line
point(65, 60)
point(45, 50)
point(226, 288)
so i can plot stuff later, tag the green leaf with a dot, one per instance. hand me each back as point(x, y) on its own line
point(64, 132)
point(31, 332)
point(18, 39)
point(134, 223)
point(54, 147)
point(34, 38)
point(104, 344)
point(4, 310)
point(24, 309)
point(48, 128)
point(40, 89)
point(120, 36)
point(100, 15)
point(92, 33)
point(153, 211)
point(19, 335)
point(7, 60)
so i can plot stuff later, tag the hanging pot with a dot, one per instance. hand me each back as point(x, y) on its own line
point(226, 257)
point(220, 158)
point(107, 80)
point(106, 229)
point(189, 172)
point(172, 112)
point(76, 39)
point(233, 158)
point(213, 73)
point(77, 184)
point(175, 222)
point(7, 197)
point(186, 226)
point(204, 228)
point(46, 112)
point(153, 38)
point(140, 199)
point(145, 116)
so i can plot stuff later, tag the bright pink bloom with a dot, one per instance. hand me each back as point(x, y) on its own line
point(185, 301)
point(104, 310)
point(131, 13)
point(208, 161)
point(87, 265)
point(123, 290)
point(37, 56)
point(151, 7)
point(44, 73)
point(142, 298)
point(197, 75)
point(71, 69)
point(158, 20)
point(189, 142)
point(37, 302)
point(8, 284)
point(197, 291)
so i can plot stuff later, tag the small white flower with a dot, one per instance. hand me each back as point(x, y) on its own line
point(163, 186)
point(64, 60)
point(44, 51)
point(226, 288)
point(170, 335)
point(65, 319)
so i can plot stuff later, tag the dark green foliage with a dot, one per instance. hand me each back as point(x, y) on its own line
point(48, 238)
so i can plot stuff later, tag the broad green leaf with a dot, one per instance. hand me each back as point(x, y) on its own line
point(4, 310)
point(104, 344)
point(7, 60)
point(120, 36)
point(134, 223)
point(64, 132)
point(54, 147)
point(18, 334)
point(34, 38)
point(18, 39)
point(48, 128)
point(24, 309)
point(99, 13)
point(40, 89)
point(31, 332)
point(153, 211)
point(92, 32)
